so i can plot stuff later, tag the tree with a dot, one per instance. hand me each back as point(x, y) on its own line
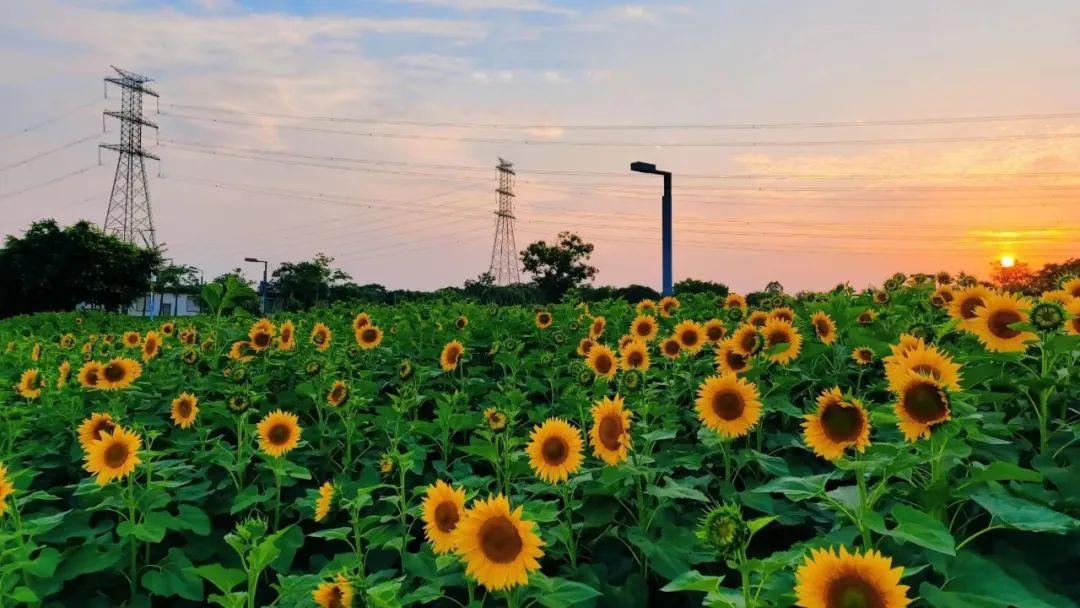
point(175, 278)
point(228, 292)
point(54, 268)
point(1012, 278)
point(303, 284)
point(687, 286)
point(1049, 277)
point(560, 267)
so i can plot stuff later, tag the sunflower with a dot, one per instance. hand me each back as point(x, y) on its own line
point(336, 594)
point(241, 351)
point(728, 360)
point(827, 579)
point(113, 456)
point(836, 426)
point(1072, 325)
point(715, 330)
point(926, 361)
point(824, 327)
point(943, 294)
point(286, 339)
point(602, 361)
point(90, 374)
point(867, 316)
point(862, 355)
point(908, 342)
point(369, 337)
point(881, 296)
point(746, 340)
point(921, 404)
point(596, 329)
point(360, 321)
point(1072, 287)
point(728, 404)
point(757, 318)
point(451, 355)
point(91, 428)
point(670, 348)
point(542, 319)
point(30, 384)
point(829, 396)
point(151, 345)
point(35, 352)
point(495, 418)
point(67, 340)
point(584, 346)
point(119, 373)
point(1059, 296)
point(386, 463)
point(554, 450)
point(625, 340)
point(6, 489)
point(782, 340)
point(63, 373)
point(668, 305)
point(338, 394)
point(321, 336)
point(132, 339)
point(610, 432)
point(691, 336)
point(783, 313)
point(499, 548)
point(635, 355)
point(184, 409)
point(189, 336)
point(992, 320)
point(734, 300)
point(644, 327)
point(322, 504)
point(167, 328)
point(443, 508)
point(461, 322)
point(963, 305)
point(645, 307)
point(279, 432)
point(261, 335)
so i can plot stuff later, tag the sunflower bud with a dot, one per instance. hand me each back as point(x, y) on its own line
point(312, 368)
point(586, 377)
point(1047, 316)
point(631, 380)
point(735, 313)
point(405, 369)
point(724, 529)
point(239, 403)
point(922, 330)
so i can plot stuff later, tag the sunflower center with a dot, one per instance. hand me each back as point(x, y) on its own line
point(369, 335)
point(116, 455)
point(671, 347)
point(689, 337)
point(778, 337)
point(728, 405)
point(279, 434)
point(103, 427)
point(821, 326)
point(320, 338)
point(114, 372)
point(1076, 325)
point(842, 422)
point(338, 393)
point(852, 591)
point(1000, 320)
point(643, 328)
point(544, 319)
point(446, 517)
point(735, 361)
point(603, 363)
point(555, 451)
point(261, 339)
point(286, 334)
point(748, 341)
point(634, 359)
point(715, 332)
point(499, 540)
point(183, 408)
point(968, 306)
point(597, 328)
point(925, 403)
point(611, 432)
point(336, 599)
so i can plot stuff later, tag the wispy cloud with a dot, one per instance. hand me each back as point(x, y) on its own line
point(524, 6)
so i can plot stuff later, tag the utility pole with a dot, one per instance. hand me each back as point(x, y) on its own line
point(665, 219)
point(504, 260)
point(129, 216)
point(263, 284)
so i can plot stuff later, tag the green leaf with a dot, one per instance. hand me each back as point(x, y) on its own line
point(976, 581)
point(221, 577)
point(555, 592)
point(44, 563)
point(192, 518)
point(1003, 471)
point(1024, 514)
point(673, 489)
point(796, 488)
point(917, 527)
point(173, 576)
point(692, 580)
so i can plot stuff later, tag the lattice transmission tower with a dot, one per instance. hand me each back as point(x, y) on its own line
point(504, 262)
point(129, 216)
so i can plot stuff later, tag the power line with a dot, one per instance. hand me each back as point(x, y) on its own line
point(49, 152)
point(47, 121)
point(641, 126)
point(49, 182)
point(645, 144)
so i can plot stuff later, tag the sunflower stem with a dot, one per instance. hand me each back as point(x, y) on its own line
point(134, 566)
point(1044, 401)
point(864, 504)
point(571, 541)
point(277, 495)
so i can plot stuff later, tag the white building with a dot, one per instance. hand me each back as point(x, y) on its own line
point(165, 305)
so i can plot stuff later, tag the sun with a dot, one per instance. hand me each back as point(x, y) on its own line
point(1007, 261)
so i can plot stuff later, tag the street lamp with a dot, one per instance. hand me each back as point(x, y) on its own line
point(665, 218)
point(262, 284)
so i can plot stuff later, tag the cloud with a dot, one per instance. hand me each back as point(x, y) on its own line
point(524, 6)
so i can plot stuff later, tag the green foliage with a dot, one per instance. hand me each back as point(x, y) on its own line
point(559, 267)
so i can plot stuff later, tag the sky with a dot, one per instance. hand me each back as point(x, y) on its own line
point(811, 143)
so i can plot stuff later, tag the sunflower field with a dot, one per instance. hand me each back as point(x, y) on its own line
point(915, 444)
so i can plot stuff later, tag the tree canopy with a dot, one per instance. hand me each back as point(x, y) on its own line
point(302, 284)
point(51, 268)
point(559, 267)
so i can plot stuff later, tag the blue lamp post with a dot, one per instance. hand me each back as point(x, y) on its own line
point(665, 218)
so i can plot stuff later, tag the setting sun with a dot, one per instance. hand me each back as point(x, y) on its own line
point(1007, 261)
